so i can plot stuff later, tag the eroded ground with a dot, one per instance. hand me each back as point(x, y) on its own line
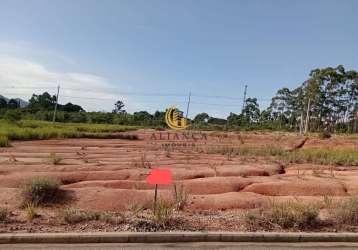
point(109, 174)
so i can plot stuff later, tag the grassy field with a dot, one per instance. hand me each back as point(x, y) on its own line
point(39, 130)
point(322, 156)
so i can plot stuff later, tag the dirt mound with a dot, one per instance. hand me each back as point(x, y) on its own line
point(250, 170)
point(233, 200)
point(298, 187)
point(10, 197)
point(110, 174)
point(114, 199)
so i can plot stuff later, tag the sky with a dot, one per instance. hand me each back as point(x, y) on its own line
point(152, 53)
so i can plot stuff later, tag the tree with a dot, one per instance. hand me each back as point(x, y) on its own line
point(42, 102)
point(118, 107)
point(13, 104)
point(251, 112)
point(69, 107)
point(201, 118)
point(3, 103)
point(233, 120)
point(142, 117)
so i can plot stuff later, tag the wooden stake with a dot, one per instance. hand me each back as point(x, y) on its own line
point(155, 197)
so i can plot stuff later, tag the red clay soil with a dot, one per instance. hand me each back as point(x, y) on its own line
point(109, 174)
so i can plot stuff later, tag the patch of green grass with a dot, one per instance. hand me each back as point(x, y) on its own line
point(38, 130)
point(40, 190)
point(322, 156)
point(342, 157)
point(246, 150)
point(4, 141)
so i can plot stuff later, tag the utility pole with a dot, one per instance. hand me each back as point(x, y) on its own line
point(244, 102)
point(187, 107)
point(307, 115)
point(54, 113)
point(301, 123)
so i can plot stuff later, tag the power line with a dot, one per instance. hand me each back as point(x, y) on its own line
point(154, 94)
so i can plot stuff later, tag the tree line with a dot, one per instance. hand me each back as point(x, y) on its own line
point(326, 101)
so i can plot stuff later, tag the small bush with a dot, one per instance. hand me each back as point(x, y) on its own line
point(292, 214)
point(162, 213)
point(55, 159)
point(30, 210)
point(12, 115)
point(3, 214)
point(4, 141)
point(324, 135)
point(346, 212)
point(40, 190)
point(73, 216)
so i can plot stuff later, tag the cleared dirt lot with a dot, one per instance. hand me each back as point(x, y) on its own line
point(109, 174)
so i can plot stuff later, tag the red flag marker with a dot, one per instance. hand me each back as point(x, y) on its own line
point(160, 177)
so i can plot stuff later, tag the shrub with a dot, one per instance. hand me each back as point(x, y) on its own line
point(293, 214)
point(40, 190)
point(3, 214)
point(12, 115)
point(73, 216)
point(346, 212)
point(4, 141)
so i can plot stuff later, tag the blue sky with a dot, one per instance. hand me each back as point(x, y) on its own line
point(100, 51)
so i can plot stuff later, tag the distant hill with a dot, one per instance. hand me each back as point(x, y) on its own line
point(22, 102)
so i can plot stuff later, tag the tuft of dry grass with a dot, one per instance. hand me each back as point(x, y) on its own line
point(180, 197)
point(136, 209)
point(74, 216)
point(284, 215)
point(30, 210)
point(55, 159)
point(3, 214)
point(346, 212)
point(163, 213)
point(294, 214)
point(142, 162)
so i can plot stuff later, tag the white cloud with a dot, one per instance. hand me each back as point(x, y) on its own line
point(22, 78)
